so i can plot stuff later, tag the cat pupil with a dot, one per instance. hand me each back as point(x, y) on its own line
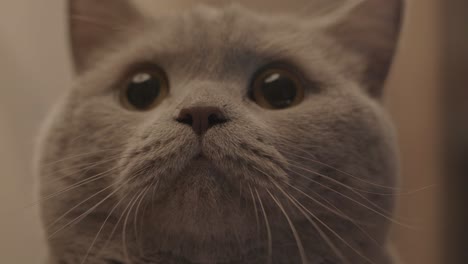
point(279, 90)
point(143, 91)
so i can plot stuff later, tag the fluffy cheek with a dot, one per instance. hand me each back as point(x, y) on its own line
point(349, 133)
point(341, 156)
point(91, 136)
point(80, 154)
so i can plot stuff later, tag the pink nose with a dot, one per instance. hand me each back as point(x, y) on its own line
point(201, 118)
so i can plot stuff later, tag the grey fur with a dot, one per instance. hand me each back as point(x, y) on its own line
point(200, 211)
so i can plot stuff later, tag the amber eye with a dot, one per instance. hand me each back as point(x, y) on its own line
point(145, 89)
point(277, 88)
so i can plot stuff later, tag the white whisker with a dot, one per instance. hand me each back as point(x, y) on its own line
point(100, 230)
point(135, 220)
point(268, 229)
point(124, 228)
point(298, 205)
point(336, 182)
point(77, 219)
point(337, 210)
point(338, 170)
point(75, 186)
point(293, 229)
point(84, 168)
point(342, 215)
point(257, 220)
point(361, 204)
point(79, 156)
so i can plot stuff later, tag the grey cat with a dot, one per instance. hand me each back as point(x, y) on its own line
point(222, 136)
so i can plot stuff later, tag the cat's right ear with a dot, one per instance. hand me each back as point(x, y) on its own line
point(370, 29)
point(95, 25)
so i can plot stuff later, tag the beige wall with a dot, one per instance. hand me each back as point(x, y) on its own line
point(414, 102)
point(34, 70)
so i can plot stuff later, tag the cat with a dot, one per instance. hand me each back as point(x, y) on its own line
point(222, 135)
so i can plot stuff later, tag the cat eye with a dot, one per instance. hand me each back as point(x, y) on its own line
point(145, 89)
point(277, 88)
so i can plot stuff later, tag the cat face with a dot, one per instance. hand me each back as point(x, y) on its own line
point(219, 136)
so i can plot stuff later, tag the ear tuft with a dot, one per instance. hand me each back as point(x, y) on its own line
point(371, 31)
point(95, 24)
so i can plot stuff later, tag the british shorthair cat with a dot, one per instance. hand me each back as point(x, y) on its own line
point(222, 135)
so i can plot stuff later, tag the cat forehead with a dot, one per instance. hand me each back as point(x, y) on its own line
point(231, 31)
point(227, 22)
point(230, 39)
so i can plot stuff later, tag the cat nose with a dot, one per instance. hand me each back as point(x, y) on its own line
point(201, 118)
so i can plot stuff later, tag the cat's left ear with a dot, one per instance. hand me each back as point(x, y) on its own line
point(95, 25)
point(371, 30)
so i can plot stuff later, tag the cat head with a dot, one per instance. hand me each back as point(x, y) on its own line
point(224, 135)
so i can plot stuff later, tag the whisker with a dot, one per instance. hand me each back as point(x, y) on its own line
point(85, 167)
point(257, 220)
point(240, 192)
point(74, 186)
point(83, 215)
point(267, 224)
point(137, 174)
point(118, 222)
point(100, 229)
point(336, 182)
point(321, 204)
point(124, 228)
point(338, 170)
point(293, 229)
point(361, 204)
point(80, 155)
point(318, 220)
point(393, 191)
point(154, 185)
point(78, 205)
point(341, 213)
point(135, 220)
point(152, 196)
point(336, 211)
point(337, 235)
point(404, 193)
point(354, 190)
point(325, 237)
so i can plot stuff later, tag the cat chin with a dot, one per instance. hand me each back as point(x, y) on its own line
point(204, 239)
point(253, 256)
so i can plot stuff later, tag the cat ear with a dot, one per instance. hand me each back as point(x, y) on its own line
point(371, 30)
point(95, 24)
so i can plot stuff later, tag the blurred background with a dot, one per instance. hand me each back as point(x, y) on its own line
point(35, 70)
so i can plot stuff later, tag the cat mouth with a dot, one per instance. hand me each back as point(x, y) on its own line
point(200, 159)
point(200, 156)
